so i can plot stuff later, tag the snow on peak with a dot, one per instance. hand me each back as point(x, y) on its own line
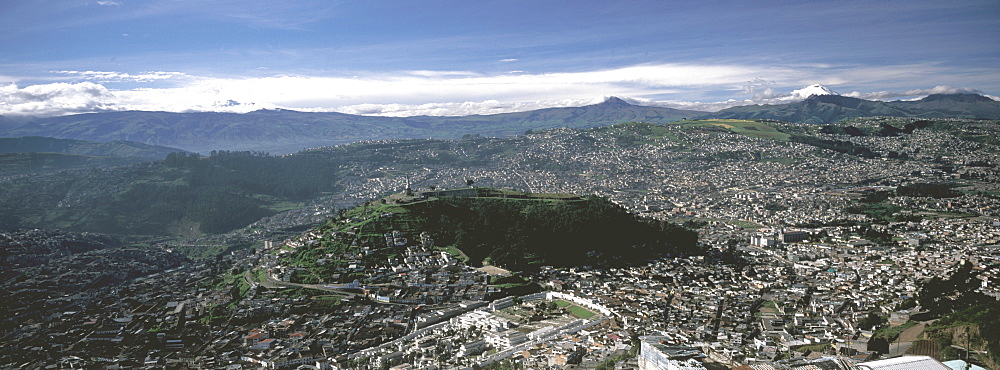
point(815, 89)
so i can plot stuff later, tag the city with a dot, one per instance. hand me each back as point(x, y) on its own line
point(794, 273)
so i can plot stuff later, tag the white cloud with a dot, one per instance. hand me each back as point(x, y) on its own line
point(424, 92)
point(443, 74)
point(55, 99)
point(459, 109)
point(108, 3)
point(695, 105)
point(759, 88)
point(508, 60)
point(417, 88)
point(105, 76)
point(889, 95)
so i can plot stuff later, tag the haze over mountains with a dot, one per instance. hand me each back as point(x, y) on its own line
point(285, 131)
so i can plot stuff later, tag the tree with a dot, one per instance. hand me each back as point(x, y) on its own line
point(469, 182)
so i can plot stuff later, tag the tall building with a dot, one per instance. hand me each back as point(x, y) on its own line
point(654, 355)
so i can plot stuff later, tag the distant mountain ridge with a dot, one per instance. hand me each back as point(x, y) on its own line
point(830, 108)
point(285, 131)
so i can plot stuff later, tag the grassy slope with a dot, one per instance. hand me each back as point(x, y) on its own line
point(741, 127)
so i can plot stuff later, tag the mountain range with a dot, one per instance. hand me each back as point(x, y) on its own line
point(285, 131)
point(830, 108)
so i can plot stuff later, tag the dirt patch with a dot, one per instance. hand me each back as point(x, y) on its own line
point(912, 333)
point(493, 270)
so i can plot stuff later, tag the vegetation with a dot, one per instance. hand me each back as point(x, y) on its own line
point(512, 230)
point(518, 234)
point(882, 211)
point(611, 363)
point(509, 282)
point(185, 195)
point(819, 347)
point(756, 129)
point(37, 163)
point(971, 328)
point(943, 296)
point(933, 190)
point(890, 333)
point(967, 317)
point(841, 146)
point(113, 149)
point(580, 312)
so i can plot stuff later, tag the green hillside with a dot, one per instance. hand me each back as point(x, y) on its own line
point(514, 230)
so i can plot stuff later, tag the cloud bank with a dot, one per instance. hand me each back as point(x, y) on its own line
point(55, 99)
point(424, 92)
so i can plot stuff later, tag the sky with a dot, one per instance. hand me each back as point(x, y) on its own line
point(403, 58)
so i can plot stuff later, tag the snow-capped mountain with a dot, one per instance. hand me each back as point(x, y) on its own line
point(814, 89)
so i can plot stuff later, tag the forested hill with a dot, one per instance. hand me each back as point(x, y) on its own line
point(518, 230)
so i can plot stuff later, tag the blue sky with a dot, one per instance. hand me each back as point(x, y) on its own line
point(463, 57)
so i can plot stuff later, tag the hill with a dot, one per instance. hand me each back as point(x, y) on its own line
point(826, 109)
point(18, 164)
point(512, 229)
point(284, 131)
point(118, 148)
point(954, 106)
point(37, 155)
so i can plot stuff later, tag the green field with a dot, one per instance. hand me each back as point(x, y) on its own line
point(580, 312)
point(455, 252)
point(741, 127)
point(561, 303)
